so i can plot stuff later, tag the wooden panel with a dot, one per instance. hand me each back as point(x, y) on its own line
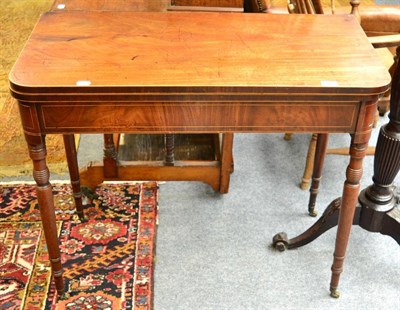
point(200, 117)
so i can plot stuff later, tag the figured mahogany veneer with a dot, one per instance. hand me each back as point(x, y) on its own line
point(200, 117)
point(176, 72)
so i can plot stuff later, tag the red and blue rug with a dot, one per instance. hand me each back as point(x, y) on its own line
point(107, 259)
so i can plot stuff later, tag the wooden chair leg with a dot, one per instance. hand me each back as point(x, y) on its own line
point(320, 152)
point(71, 154)
point(306, 179)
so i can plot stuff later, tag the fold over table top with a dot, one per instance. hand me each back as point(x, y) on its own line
point(129, 52)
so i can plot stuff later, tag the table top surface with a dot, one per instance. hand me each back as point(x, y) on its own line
point(125, 51)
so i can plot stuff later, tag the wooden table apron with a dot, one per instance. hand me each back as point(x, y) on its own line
point(196, 73)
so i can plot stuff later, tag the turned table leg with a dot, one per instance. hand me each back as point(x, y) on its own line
point(351, 189)
point(37, 153)
point(347, 211)
point(344, 211)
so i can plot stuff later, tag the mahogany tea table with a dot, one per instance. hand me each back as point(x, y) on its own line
point(186, 72)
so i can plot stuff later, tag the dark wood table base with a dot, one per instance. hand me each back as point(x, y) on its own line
point(371, 218)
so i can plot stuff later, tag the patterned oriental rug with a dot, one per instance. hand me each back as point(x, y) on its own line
point(107, 260)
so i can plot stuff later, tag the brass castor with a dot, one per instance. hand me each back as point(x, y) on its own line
point(287, 136)
point(312, 213)
point(280, 246)
point(335, 293)
point(280, 241)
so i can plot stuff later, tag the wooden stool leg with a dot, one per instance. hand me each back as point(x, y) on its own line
point(71, 154)
point(305, 180)
point(320, 152)
point(226, 162)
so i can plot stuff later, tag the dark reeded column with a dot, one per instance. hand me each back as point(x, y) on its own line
point(379, 199)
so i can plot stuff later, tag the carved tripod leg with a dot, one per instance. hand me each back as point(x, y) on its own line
point(320, 152)
point(70, 151)
point(45, 199)
point(329, 219)
point(391, 224)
